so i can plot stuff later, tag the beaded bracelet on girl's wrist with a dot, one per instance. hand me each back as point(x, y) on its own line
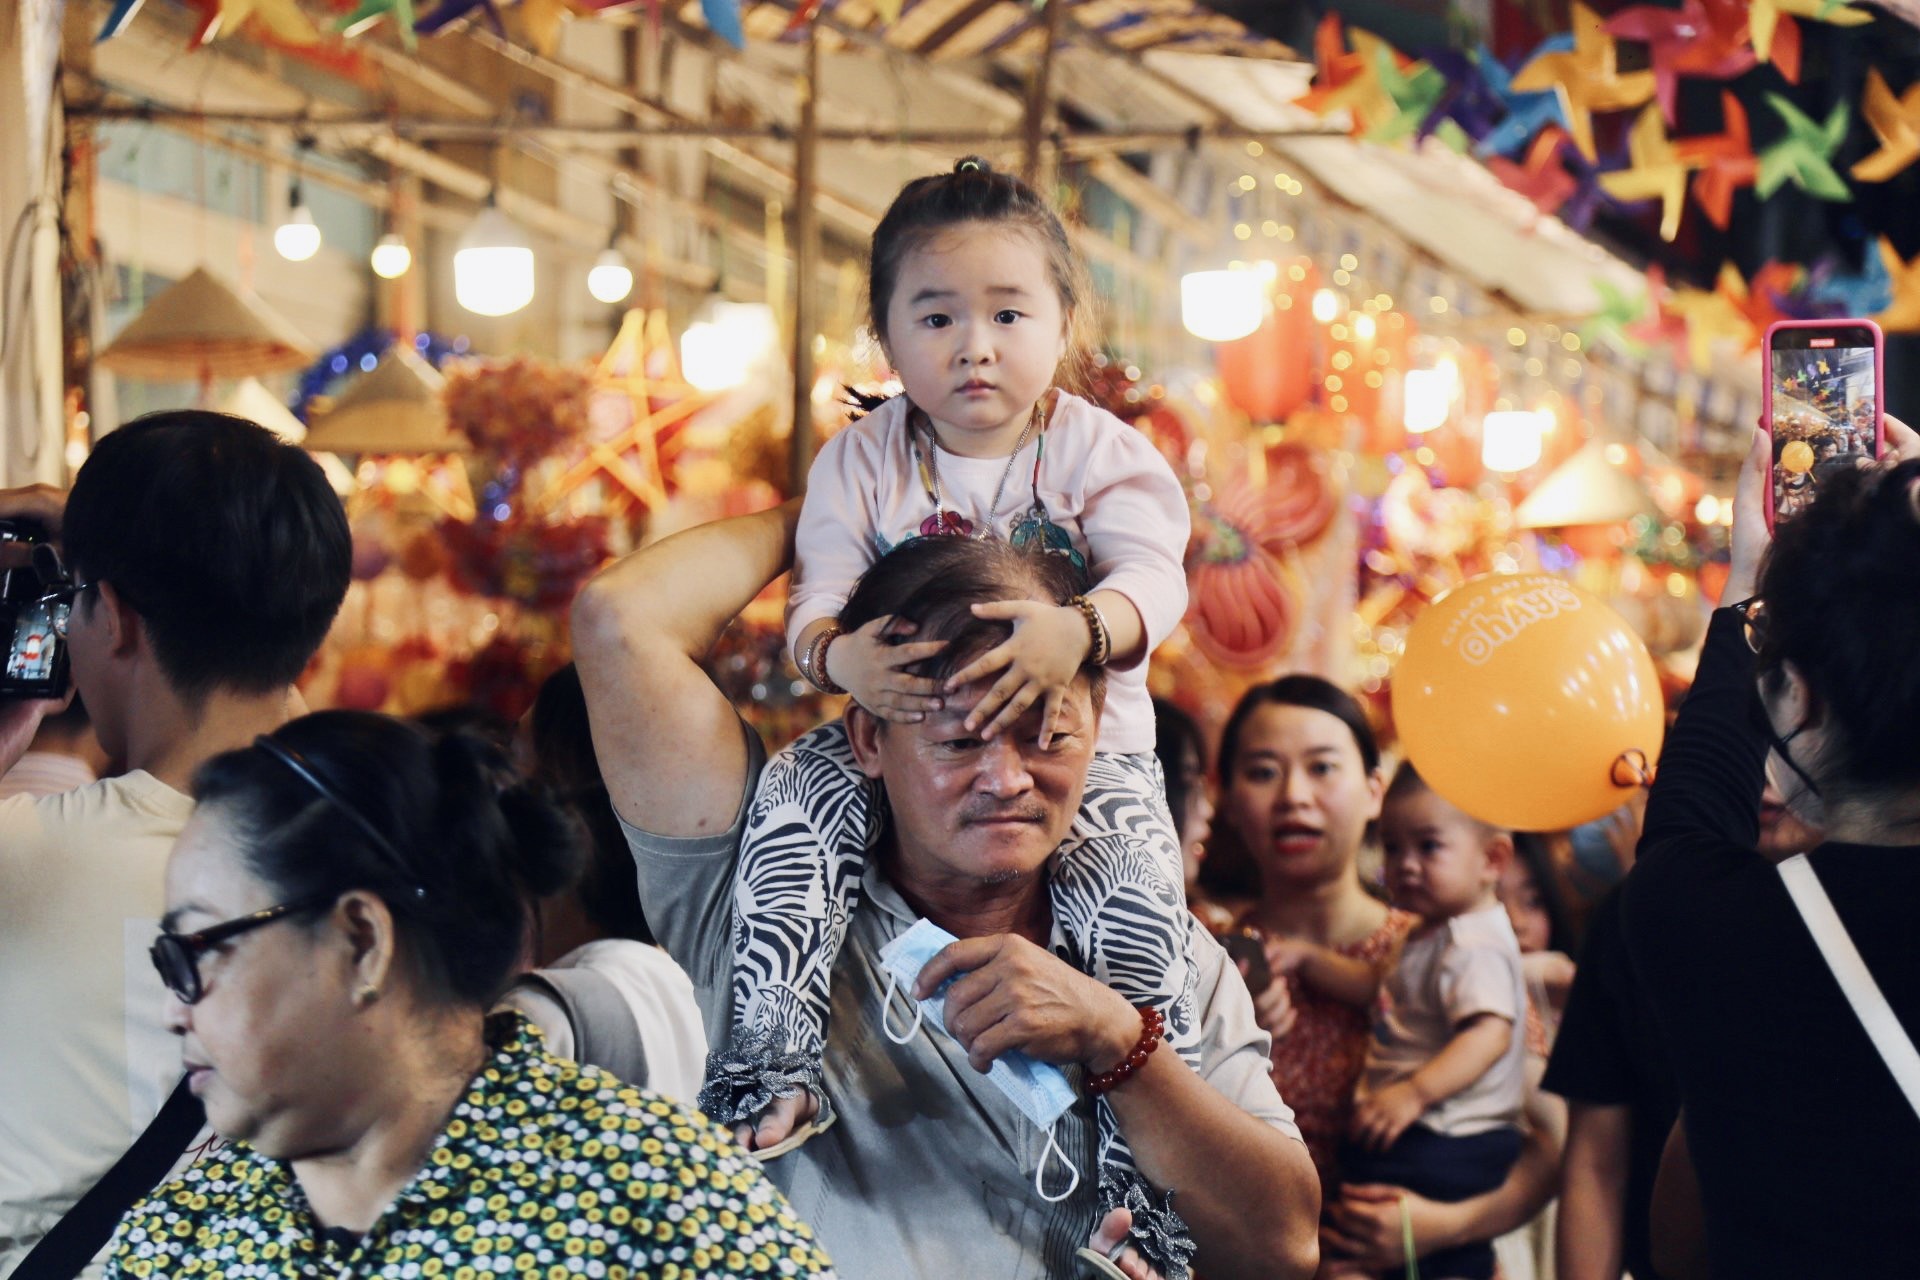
point(813, 661)
point(1102, 639)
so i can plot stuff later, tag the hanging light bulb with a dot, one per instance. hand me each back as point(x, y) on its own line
point(725, 342)
point(493, 267)
point(1220, 306)
point(391, 257)
point(611, 279)
point(298, 238)
point(1510, 440)
point(1428, 400)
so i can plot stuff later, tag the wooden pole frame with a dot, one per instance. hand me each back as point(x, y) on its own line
point(806, 256)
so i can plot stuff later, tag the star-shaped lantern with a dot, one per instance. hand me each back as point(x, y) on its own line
point(1656, 171)
point(1588, 79)
point(1805, 155)
point(1724, 161)
point(1895, 122)
point(1692, 40)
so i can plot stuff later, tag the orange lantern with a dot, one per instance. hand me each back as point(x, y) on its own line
point(1269, 373)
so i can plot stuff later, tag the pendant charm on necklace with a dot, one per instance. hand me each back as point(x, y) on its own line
point(1035, 528)
point(946, 523)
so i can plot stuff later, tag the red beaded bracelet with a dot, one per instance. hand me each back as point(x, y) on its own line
point(1152, 1025)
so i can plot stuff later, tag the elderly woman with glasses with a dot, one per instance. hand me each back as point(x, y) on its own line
point(1788, 997)
point(343, 909)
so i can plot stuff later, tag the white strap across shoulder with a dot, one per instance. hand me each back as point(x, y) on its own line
point(1863, 993)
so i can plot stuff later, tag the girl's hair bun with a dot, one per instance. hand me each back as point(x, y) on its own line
point(971, 164)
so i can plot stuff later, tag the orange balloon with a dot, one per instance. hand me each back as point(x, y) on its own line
point(1797, 457)
point(1527, 703)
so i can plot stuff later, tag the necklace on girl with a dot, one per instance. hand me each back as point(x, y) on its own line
point(1035, 526)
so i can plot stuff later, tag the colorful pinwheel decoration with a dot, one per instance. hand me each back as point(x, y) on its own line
point(449, 12)
point(1526, 113)
point(1804, 156)
point(1895, 122)
point(1865, 294)
point(1656, 172)
point(1542, 178)
point(1660, 324)
point(1588, 79)
point(1765, 17)
point(1468, 108)
point(1610, 323)
point(1412, 88)
point(1711, 317)
point(1723, 162)
point(1903, 312)
point(1692, 40)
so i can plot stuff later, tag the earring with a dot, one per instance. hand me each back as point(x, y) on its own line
point(366, 995)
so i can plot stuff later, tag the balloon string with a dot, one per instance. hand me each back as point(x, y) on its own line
point(1631, 769)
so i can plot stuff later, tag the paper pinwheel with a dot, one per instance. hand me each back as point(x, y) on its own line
point(1588, 195)
point(1763, 16)
point(1711, 317)
point(1692, 40)
point(1725, 162)
point(1413, 89)
point(1342, 79)
point(281, 19)
point(1656, 171)
point(1610, 323)
point(371, 12)
point(723, 19)
point(1468, 102)
point(1527, 113)
point(1903, 313)
point(1588, 79)
point(1895, 122)
point(449, 12)
point(1542, 179)
point(117, 19)
point(1805, 156)
point(1863, 295)
point(1760, 300)
point(1660, 323)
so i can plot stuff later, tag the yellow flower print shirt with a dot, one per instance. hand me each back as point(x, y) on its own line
point(545, 1169)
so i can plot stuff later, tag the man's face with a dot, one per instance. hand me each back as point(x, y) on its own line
point(973, 810)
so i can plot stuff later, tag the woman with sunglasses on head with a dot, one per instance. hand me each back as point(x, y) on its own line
point(342, 910)
point(1803, 1125)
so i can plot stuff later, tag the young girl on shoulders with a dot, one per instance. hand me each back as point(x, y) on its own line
point(976, 295)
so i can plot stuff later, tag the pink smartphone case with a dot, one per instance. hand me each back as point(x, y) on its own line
point(1879, 383)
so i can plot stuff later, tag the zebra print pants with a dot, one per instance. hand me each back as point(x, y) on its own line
point(1118, 893)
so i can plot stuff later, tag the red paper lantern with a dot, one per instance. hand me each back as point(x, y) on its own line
point(1269, 373)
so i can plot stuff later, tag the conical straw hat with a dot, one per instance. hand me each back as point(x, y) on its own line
point(1585, 489)
point(255, 403)
point(200, 329)
point(394, 409)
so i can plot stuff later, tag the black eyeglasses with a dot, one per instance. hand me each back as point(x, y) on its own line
point(1753, 621)
point(177, 955)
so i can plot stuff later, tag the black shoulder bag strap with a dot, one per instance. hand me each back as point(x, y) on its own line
point(85, 1229)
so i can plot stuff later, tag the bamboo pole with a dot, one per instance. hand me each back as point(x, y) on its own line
point(1040, 98)
point(806, 255)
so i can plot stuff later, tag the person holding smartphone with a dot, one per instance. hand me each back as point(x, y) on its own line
point(206, 560)
point(1803, 1125)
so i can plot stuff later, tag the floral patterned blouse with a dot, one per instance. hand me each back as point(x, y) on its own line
point(1317, 1065)
point(545, 1169)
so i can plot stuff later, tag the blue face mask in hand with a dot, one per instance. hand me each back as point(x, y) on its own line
point(1038, 1088)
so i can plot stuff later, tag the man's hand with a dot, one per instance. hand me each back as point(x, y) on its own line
point(1380, 1119)
point(20, 720)
point(1014, 995)
point(1364, 1227)
point(1106, 1238)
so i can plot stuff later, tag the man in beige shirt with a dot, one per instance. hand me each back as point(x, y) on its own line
point(207, 561)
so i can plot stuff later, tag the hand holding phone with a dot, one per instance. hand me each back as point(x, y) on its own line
point(1824, 401)
point(31, 623)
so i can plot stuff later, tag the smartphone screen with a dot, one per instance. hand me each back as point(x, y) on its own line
point(1825, 408)
point(36, 656)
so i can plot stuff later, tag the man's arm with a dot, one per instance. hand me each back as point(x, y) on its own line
point(1593, 1193)
point(668, 740)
